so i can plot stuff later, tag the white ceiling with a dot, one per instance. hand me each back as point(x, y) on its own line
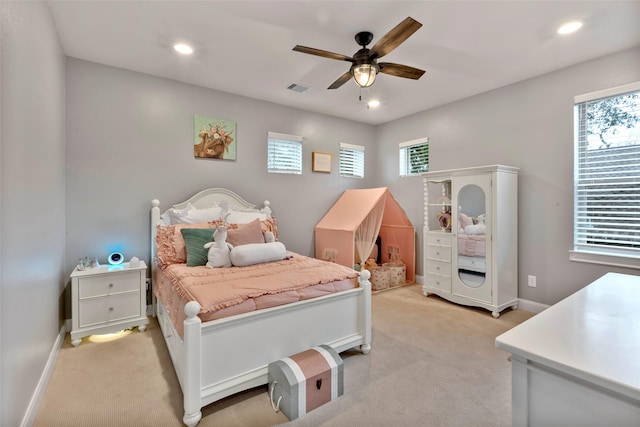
point(245, 47)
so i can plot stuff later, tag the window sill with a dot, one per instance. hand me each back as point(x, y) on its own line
point(604, 259)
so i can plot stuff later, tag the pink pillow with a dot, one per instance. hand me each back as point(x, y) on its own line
point(269, 224)
point(170, 243)
point(464, 220)
point(244, 234)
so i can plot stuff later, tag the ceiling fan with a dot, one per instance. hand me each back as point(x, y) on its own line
point(365, 65)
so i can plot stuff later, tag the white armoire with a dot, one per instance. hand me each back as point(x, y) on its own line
point(471, 236)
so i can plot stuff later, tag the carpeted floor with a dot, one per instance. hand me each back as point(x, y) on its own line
point(432, 363)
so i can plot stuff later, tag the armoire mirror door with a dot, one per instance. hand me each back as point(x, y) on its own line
point(471, 276)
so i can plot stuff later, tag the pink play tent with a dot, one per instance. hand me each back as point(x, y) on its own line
point(351, 226)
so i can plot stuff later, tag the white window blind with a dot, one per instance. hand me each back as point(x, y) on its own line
point(607, 177)
point(351, 160)
point(414, 157)
point(284, 153)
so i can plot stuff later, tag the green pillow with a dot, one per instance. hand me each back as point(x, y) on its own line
point(194, 240)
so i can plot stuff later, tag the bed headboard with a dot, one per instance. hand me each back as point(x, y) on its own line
point(213, 196)
point(203, 199)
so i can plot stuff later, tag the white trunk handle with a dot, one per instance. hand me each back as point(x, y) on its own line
point(275, 406)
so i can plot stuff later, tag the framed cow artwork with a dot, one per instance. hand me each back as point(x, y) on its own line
point(214, 138)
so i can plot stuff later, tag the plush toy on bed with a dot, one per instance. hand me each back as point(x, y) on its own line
point(269, 237)
point(464, 221)
point(478, 228)
point(219, 249)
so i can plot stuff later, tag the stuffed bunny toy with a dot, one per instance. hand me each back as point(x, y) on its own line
point(219, 249)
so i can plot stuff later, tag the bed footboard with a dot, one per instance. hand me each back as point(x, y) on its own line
point(229, 355)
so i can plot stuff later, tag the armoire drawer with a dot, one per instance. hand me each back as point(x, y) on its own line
point(439, 267)
point(440, 253)
point(439, 239)
point(478, 264)
point(437, 281)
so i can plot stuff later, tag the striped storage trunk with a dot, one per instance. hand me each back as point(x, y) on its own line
point(305, 381)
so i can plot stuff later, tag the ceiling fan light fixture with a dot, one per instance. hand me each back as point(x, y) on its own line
point(364, 63)
point(364, 74)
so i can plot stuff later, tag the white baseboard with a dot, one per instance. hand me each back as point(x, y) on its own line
point(523, 304)
point(36, 400)
point(531, 306)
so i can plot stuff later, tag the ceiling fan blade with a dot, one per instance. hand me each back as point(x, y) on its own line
point(341, 80)
point(323, 53)
point(394, 38)
point(399, 70)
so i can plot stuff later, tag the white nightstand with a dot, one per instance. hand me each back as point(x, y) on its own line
point(107, 299)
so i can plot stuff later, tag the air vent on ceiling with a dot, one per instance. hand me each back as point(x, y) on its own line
point(297, 88)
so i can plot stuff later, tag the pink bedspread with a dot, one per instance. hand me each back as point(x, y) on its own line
point(223, 292)
point(471, 244)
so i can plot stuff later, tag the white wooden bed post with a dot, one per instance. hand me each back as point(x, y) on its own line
point(365, 348)
point(155, 219)
point(192, 390)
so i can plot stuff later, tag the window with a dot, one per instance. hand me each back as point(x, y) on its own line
point(284, 153)
point(351, 160)
point(607, 177)
point(414, 157)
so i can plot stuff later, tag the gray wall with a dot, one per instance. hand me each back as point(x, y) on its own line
point(32, 201)
point(130, 139)
point(528, 125)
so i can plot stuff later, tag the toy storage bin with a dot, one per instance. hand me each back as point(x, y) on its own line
point(397, 273)
point(380, 278)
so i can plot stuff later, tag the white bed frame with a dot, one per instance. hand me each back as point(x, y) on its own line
point(218, 358)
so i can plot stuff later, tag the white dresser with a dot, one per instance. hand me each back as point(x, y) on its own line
point(107, 299)
point(578, 362)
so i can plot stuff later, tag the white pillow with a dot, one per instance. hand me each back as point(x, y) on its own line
point(244, 217)
point(475, 229)
point(172, 216)
point(193, 215)
point(257, 253)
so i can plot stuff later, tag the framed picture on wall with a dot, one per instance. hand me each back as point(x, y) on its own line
point(214, 138)
point(321, 162)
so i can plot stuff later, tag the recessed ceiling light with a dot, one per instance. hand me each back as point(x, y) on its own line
point(184, 49)
point(570, 27)
point(373, 103)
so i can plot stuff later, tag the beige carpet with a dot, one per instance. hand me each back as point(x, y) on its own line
point(432, 363)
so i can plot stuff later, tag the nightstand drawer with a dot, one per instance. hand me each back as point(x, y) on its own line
point(108, 284)
point(93, 311)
